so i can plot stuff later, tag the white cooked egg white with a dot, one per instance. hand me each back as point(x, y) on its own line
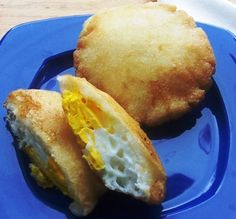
point(107, 145)
point(118, 162)
point(26, 138)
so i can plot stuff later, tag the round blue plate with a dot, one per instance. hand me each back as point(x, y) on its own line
point(198, 151)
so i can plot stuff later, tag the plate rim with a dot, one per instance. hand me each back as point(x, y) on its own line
point(18, 27)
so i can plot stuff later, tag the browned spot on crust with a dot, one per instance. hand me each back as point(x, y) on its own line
point(100, 86)
point(82, 72)
point(157, 191)
point(29, 103)
point(81, 43)
point(76, 59)
point(155, 91)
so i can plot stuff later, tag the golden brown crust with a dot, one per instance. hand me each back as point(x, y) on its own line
point(151, 58)
point(41, 111)
point(107, 103)
point(157, 191)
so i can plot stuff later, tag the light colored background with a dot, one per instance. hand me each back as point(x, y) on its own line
point(13, 12)
point(221, 13)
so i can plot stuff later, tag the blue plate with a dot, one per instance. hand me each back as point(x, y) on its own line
point(198, 151)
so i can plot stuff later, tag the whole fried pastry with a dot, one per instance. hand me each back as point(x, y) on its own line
point(151, 58)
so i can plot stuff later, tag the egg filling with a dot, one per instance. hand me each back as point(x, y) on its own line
point(44, 168)
point(41, 179)
point(107, 145)
point(84, 121)
point(47, 174)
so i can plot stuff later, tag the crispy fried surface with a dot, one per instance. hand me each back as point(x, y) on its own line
point(41, 112)
point(143, 145)
point(150, 58)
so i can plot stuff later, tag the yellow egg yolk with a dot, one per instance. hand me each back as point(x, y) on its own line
point(82, 118)
point(46, 174)
point(41, 179)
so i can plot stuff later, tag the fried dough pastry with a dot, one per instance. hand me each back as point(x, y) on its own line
point(115, 146)
point(37, 119)
point(151, 58)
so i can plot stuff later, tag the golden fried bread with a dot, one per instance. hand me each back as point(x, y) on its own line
point(151, 58)
point(37, 119)
point(115, 146)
